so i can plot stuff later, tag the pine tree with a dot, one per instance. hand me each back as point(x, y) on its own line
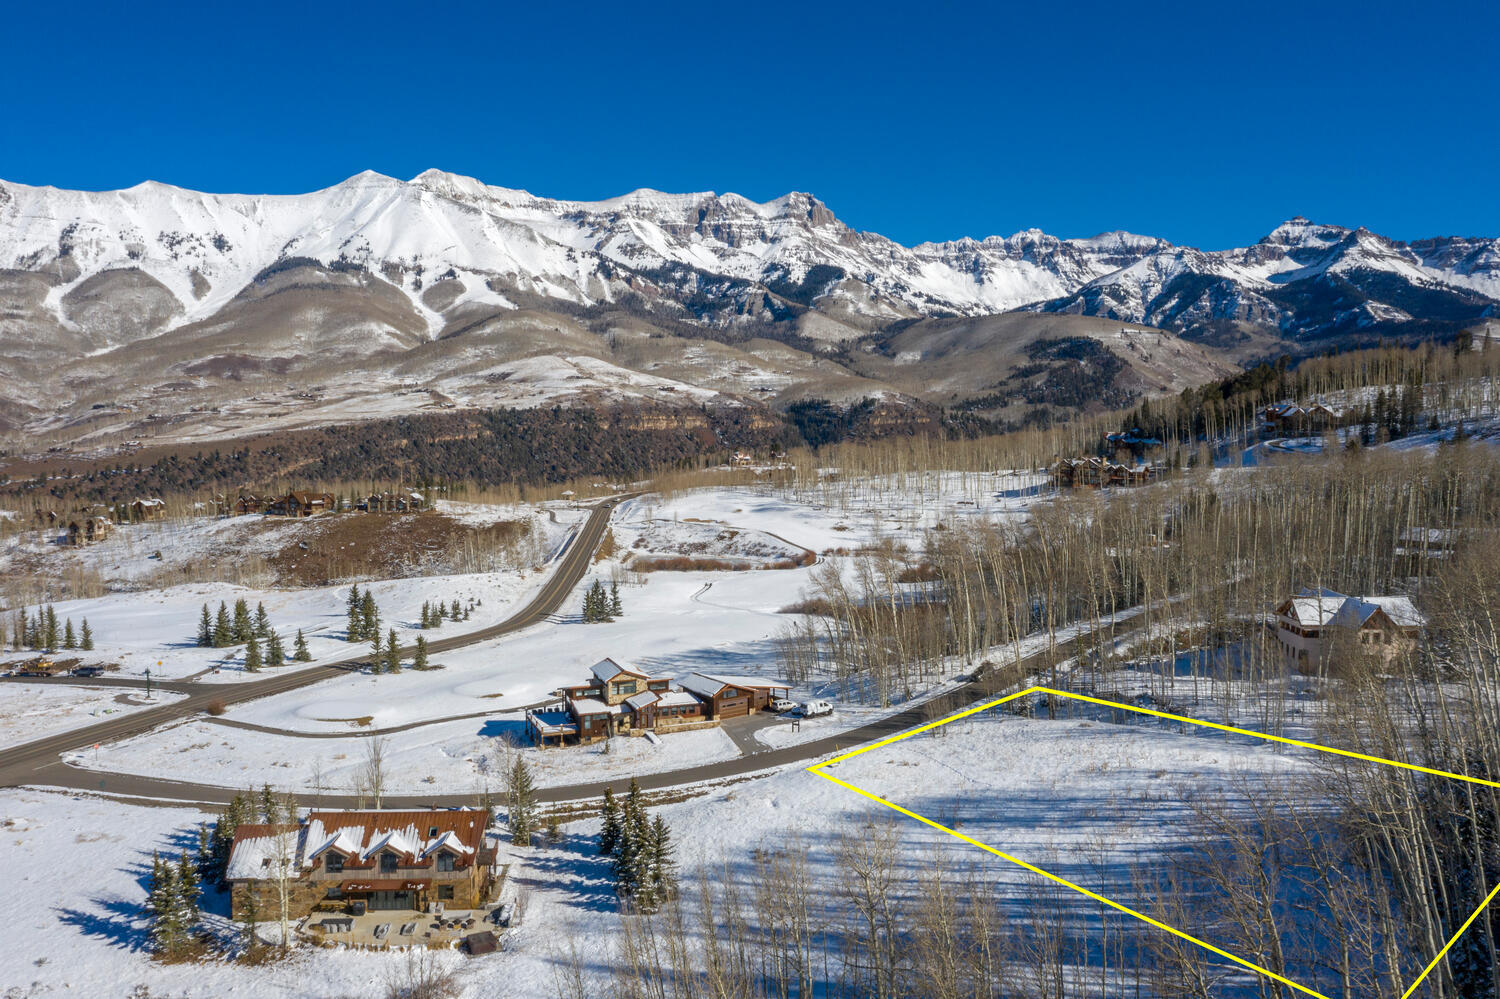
point(356, 627)
point(299, 650)
point(252, 655)
point(419, 657)
point(426, 615)
point(609, 828)
point(70, 640)
point(632, 850)
point(275, 654)
point(49, 634)
point(164, 908)
point(377, 661)
point(223, 630)
point(442, 613)
point(353, 602)
point(86, 640)
point(392, 653)
point(243, 629)
point(663, 860)
point(522, 802)
point(205, 629)
point(455, 611)
point(262, 621)
point(370, 615)
point(614, 599)
point(188, 891)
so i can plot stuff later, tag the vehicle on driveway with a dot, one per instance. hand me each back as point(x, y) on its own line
point(781, 705)
point(814, 709)
point(89, 671)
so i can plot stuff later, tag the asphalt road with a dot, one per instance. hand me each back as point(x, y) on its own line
point(37, 764)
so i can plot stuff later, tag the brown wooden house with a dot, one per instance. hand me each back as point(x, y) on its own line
point(365, 860)
point(151, 508)
point(733, 696)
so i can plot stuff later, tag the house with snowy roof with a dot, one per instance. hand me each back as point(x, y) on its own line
point(624, 700)
point(358, 861)
point(1310, 625)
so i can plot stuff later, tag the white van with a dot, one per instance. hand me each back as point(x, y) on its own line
point(812, 709)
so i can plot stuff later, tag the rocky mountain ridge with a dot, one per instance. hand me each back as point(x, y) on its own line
point(459, 293)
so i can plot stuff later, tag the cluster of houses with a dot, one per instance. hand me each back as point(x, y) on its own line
point(1315, 623)
point(623, 700)
point(93, 522)
point(301, 503)
point(361, 861)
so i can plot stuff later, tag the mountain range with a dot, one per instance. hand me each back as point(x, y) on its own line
point(166, 312)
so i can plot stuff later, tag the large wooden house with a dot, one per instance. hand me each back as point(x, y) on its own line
point(299, 503)
point(1315, 623)
point(151, 508)
point(623, 700)
point(364, 860)
point(89, 525)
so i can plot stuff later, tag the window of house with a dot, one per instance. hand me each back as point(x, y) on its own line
point(626, 687)
point(431, 831)
point(333, 863)
point(445, 861)
point(387, 863)
point(445, 893)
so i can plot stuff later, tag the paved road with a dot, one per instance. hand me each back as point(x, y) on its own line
point(36, 763)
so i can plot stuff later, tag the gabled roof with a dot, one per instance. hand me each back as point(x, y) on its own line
point(256, 847)
point(606, 670)
point(644, 699)
point(703, 686)
point(588, 706)
point(1319, 607)
point(753, 682)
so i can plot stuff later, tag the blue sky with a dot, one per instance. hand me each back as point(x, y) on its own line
point(1204, 123)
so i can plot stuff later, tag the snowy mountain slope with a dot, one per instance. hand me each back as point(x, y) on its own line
point(1303, 281)
point(173, 300)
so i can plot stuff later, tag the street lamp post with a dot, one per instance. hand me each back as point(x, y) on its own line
point(148, 683)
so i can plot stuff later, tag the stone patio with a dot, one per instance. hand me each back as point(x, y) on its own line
point(426, 929)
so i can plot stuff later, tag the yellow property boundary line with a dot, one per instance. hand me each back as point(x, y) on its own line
point(818, 769)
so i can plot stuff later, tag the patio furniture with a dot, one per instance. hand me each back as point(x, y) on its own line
point(407, 929)
point(382, 930)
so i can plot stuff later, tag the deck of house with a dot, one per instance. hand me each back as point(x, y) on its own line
point(396, 928)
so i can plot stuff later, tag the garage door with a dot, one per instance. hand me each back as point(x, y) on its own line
point(734, 707)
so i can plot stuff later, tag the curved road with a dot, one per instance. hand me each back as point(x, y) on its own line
point(37, 763)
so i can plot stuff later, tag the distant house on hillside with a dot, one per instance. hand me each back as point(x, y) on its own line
point(299, 503)
point(247, 503)
point(149, 509)
point(1098, 473)
point(1290, 418)
point(88, 526)
point(364, 860)
point(1312, 623)
point(44, 517)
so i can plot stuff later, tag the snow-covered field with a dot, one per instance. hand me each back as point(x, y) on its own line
point(1052, 792)
point(35, 710)
point(451, 758)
